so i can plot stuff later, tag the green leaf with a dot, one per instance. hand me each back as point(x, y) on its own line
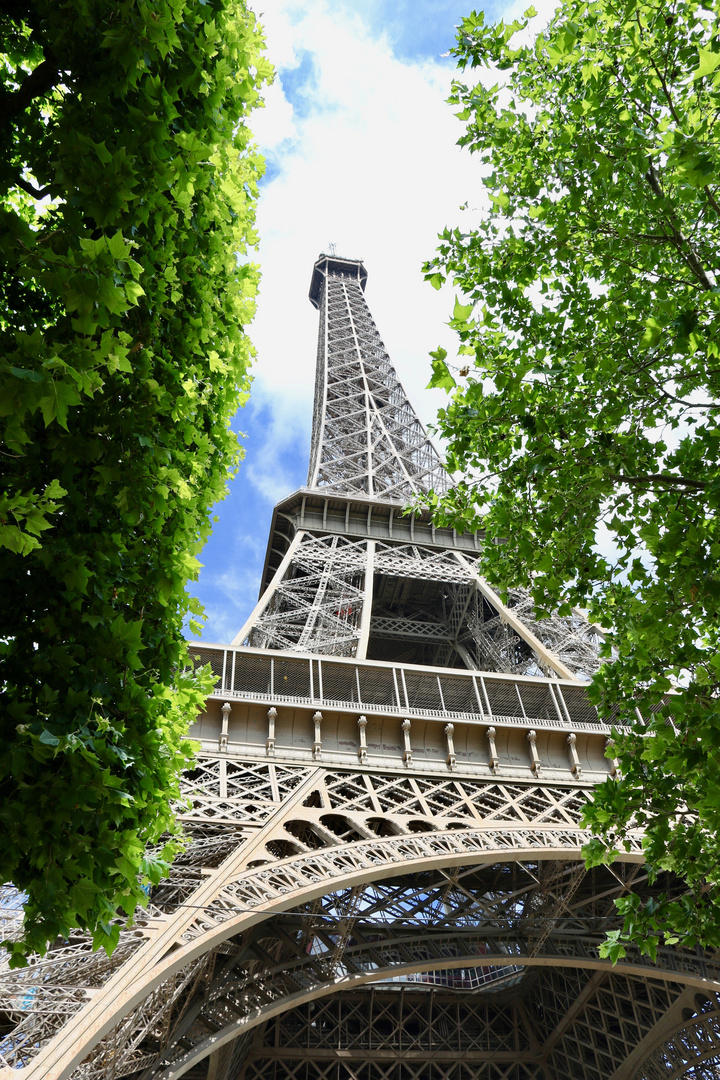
point(117, 246)
point(133, 291)
point(707, 62)
point(461, 312)
point(652, 334)
point(25, 373)
point(590, 459)
point(441, 378)
point(113, 301)
point(55, 404)
point(48, 739)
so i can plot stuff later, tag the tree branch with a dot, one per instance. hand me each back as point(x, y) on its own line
point(681, 401)
point(712, 200)
point(658, 478)
point(681, 242)
point(37, 84)
point(37, 193)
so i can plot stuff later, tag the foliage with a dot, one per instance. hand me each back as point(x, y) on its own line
point(127, 188)
point(588, 414)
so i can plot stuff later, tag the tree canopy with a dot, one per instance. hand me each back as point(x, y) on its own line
point(588, 414)
point(127, 190)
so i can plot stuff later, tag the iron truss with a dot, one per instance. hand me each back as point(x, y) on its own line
point(383, 876)
point(307, 893)
point(334, 593)
point(366, 436)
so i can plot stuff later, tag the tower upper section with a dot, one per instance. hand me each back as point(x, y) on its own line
point(366, 438)
point(348, 575)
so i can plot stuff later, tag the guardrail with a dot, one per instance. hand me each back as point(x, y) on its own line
point(395, 689)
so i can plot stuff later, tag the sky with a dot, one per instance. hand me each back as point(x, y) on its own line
point(361, 153)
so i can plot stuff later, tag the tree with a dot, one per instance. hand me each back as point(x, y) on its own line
point(127, 189)
point(587, 417)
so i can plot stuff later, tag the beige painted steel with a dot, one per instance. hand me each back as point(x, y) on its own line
point(362, 647)
point(601, 969)
point(225, 909)
point(234, 897)
point(270, 591)
point(546, 656)
point(154, 964)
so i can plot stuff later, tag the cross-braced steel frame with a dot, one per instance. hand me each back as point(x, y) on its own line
point(360, 592)
point(383, 878)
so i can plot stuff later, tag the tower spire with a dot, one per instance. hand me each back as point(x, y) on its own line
point(367, 439)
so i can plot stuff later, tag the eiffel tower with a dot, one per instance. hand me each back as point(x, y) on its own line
point(383, 879)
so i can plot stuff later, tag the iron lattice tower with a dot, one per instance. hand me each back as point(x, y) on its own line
point(383, 879)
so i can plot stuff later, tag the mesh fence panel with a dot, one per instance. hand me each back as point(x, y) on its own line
point(422, 691)
point(377, 687)
point(459, 695)
point(213, 657)
point(292, 678)
point(578, 706)
point(275, 675)
point(338, 682)
point(252, 674)
point(538, 702)
point(503, 698)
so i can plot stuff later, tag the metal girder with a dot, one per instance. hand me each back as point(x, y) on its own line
point(368, 443)
point(367, 438)
point(408, 901)
point(407, 1033)
point(321, 601)
point(306, 904)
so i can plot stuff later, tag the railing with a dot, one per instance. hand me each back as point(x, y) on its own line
point(396, 689)
point(466, 979)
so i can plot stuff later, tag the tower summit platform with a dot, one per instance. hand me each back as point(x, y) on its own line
point(333, 266)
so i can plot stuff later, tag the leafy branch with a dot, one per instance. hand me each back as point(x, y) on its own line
point(593, 325)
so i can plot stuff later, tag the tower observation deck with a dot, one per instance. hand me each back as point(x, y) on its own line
point(383, 878)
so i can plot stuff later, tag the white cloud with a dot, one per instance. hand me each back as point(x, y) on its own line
point(368, 163)
point(269, 468)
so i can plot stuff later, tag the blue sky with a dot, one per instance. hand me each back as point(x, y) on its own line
point(361, 152)
point(420, 29)
point(416, 29)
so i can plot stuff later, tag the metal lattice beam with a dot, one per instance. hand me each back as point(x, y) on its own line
point(333, 595)
point(383, 878)
point(375, 887)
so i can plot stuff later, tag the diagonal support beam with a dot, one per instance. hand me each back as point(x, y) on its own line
point(546, 657)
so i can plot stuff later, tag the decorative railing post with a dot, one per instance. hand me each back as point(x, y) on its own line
point(534, 756)
point(270, 744)
point(449, 732)
point(226, 710)
point(317, 744)
point(362, 752)
point(575, 766)
point(407, 753)
point(494, 761)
